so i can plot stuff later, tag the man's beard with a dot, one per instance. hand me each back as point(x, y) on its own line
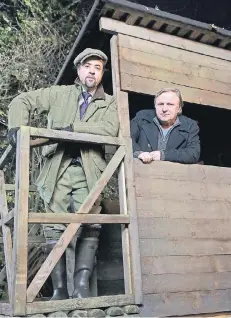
point(90, 84)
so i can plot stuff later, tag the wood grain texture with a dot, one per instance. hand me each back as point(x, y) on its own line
point(186, 303)
point(72, 304)
point(199, 247)
point(144, 85)
point(185, 264)
point(155, 284)
point(6, 232)
point(114, 27)
point(20, 243)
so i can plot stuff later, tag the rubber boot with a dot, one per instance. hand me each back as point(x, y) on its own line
point(58, 276)
point(84, 266)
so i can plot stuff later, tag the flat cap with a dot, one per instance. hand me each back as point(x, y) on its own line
point(88, 53)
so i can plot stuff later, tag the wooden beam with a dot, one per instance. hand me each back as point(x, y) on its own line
point(11, 187)
point(8, 152)
point(72, 304)
point(170, 76)
point(121, 97)
point(61, 218)
point(6, 231)
point(125, 232)
point(133, 226)
point(73, 136)
point(72, 228)
point(138, 84)
point(114, 27)
point(21, 223)
point(171, 58)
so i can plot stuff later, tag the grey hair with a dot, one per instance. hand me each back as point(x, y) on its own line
point(174, 90)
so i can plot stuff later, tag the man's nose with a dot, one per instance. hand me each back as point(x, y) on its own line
point(92, 70)
point(164, 108)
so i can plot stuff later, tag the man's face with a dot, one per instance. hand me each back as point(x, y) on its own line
point(167, 108)
point(90, 73)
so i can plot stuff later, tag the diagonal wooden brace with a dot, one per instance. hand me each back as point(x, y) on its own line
point(72, 228)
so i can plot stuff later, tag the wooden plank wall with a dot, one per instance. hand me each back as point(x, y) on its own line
point(147, 66)
point(184, 214)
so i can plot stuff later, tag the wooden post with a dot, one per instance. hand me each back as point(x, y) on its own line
point(19, 283)
point(131, 251)
point(7, 239)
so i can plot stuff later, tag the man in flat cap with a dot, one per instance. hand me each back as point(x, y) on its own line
point(71, 169)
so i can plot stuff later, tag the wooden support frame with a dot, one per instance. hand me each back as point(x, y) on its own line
point(21, 298)
point(131, 251)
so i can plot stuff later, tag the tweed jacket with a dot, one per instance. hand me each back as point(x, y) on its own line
point(61, 105)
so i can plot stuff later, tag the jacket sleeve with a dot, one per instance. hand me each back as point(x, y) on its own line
point(191, 153)
point(107, 126)
point(135, 133)
point(21, 106)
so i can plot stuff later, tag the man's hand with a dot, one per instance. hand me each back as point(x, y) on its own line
point(155, 155)
point(145, 157)
point(68, 128)
point(12, 136)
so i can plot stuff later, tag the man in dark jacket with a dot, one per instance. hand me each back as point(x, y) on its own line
point(164, 133)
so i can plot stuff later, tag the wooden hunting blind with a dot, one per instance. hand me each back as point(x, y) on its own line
point(176, 219)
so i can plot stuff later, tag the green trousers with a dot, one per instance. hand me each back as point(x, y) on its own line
point(69, 193)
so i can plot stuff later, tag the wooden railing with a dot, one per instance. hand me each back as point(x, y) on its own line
point(21, 297)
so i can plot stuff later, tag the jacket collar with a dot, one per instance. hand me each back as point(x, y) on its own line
point(177, 136)
point(99, 93)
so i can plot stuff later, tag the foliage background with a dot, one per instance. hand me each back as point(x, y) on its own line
point(35, 38)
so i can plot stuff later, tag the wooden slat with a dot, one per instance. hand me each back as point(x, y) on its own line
point(120, 97)
point(175, 171)
point(114, 27)
point(184, 228)
point(170, 28)
point(208, 38)
point(123, 113)
point(195, 34)
point(158, 24)
point(145, 20)
point(6, 231)
point(169, 76)
point(201, 64)
point(200, 247)
point(72, 228)
point(133, 226)
point(73, 136)
point(8, 152)
point(188, 209)
point(192, 95)
point(172, 283)
point(189, 190)
point(125, 232)
point(72, 304)
point(185, 264)
point(132, 19)
point(21, 222)
point(117, 14)
point(77, 218)
point(169, 304)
